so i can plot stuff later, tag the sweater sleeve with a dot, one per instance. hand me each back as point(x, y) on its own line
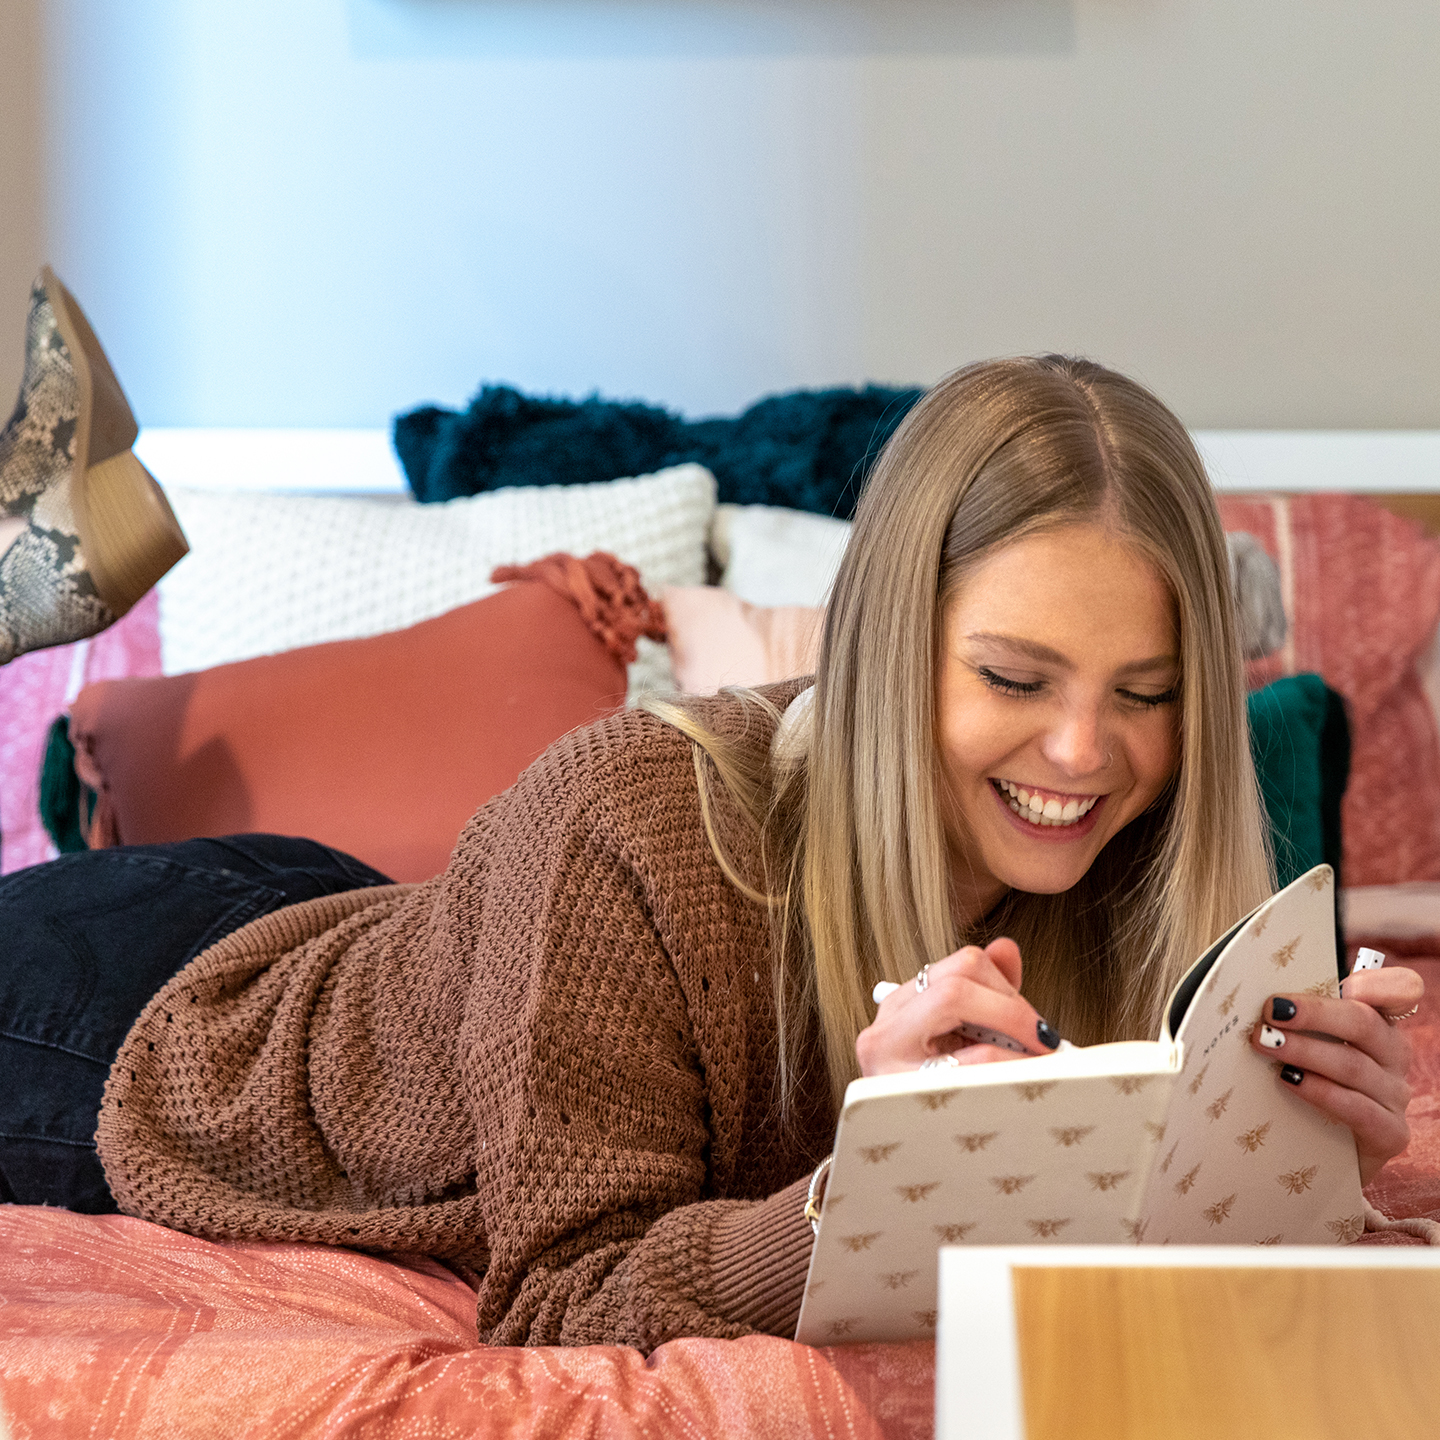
point(592, 1110)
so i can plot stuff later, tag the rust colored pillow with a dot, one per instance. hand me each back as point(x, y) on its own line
point(382, 747)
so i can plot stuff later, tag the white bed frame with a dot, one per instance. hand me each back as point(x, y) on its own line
point(361, 462)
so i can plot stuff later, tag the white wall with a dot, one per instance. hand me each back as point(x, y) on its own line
point(322, 211)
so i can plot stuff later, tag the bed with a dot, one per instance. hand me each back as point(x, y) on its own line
point(121, 1328)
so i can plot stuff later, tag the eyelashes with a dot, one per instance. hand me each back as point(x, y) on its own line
point(1006, 686)
point(1150, 702)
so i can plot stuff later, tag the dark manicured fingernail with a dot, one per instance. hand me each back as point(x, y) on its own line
point(1282, 1009)
point(1290, 1075)
point(1047, 1034)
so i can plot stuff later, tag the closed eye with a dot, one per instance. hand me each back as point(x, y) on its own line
point(1165, 697)
point(1006, 685)
point(1020, 688)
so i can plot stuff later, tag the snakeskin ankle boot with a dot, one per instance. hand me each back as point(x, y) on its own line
point(95, 531)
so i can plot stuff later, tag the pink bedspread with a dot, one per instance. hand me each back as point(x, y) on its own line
point(111, 1327)
point(115, 1327)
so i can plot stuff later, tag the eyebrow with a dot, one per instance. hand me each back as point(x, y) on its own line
point(1043, 653)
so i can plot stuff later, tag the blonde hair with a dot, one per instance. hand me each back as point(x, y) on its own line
point(852, 833)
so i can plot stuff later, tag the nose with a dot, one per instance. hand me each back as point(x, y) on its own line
point(1077, 743)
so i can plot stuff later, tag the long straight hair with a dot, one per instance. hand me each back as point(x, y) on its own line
point(852, 821)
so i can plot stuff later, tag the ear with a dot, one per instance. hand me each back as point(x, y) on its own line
point(1004, 954)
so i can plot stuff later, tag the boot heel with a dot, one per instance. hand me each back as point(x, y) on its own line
point(95, 530)
point(128, 532)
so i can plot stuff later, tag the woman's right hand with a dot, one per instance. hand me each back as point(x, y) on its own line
point(975, 986)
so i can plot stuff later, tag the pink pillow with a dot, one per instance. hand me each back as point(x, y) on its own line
point(34, 691)
point(716, 639)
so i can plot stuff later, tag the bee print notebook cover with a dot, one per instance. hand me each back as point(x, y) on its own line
point(1189, 1139)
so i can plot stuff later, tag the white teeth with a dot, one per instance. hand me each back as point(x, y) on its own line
point(1039, 811)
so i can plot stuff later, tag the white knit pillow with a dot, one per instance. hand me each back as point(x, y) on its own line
point(268, 573)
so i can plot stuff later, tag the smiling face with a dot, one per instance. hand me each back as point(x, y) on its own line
point(1057, 707)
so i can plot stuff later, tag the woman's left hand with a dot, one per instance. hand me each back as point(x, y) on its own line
point(1360, 1083)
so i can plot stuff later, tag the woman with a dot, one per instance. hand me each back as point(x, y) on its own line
point(599, 1057)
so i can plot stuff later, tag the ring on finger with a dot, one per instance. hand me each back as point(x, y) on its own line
point(1395, 1019)
point(922, 980)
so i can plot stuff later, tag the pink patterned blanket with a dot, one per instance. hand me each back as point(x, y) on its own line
point(114, 1327)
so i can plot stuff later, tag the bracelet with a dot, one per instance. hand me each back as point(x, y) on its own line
point(813, 1197)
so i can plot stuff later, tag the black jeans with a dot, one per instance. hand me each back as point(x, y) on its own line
point(85, 941)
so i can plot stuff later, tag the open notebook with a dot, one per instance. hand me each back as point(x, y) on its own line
point(1191, 1138)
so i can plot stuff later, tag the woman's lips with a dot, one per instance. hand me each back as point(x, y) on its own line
point(1044, 807)
point(1081, 825)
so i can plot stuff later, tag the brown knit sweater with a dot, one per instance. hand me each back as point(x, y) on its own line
point(555, 1062)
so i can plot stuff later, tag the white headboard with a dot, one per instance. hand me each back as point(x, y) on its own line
point(312, 462)
point(1384, 461)
point(361, 462)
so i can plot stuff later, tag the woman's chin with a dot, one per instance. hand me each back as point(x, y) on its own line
point(1048, 884)
point(1049, 873)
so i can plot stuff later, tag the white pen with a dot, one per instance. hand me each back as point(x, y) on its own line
point(979, 1034)
point(1365, 959)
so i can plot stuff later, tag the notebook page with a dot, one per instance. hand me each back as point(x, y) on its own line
point(1244, 1160)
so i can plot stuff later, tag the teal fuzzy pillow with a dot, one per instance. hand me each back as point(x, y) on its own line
point(1300, 743)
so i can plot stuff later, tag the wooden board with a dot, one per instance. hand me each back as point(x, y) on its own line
point(1121, 1354)
point(1188, 1342)
point(1424, 508)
